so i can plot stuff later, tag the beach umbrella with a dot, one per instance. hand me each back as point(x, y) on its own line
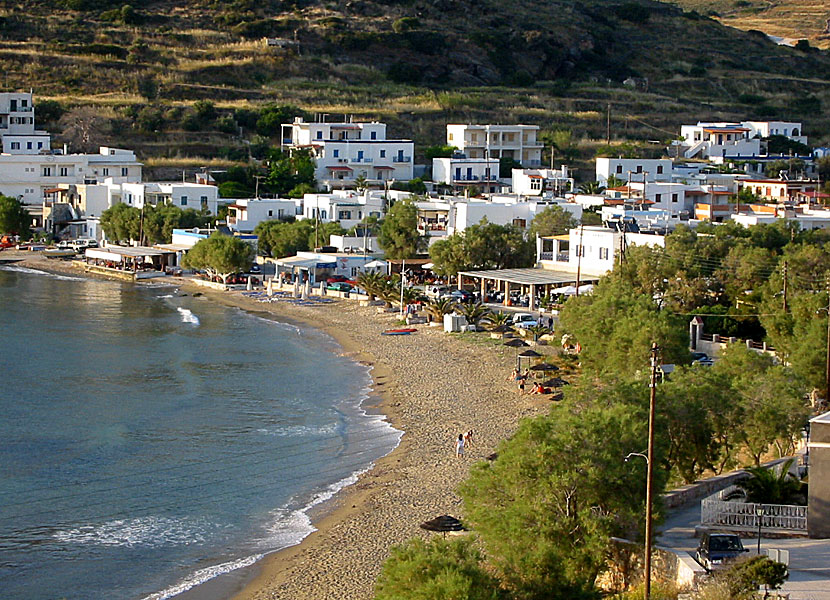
point(544, 367)
point(250, 285)
point(555, 382)
point(444, 523)
point(530, 354)
point(504, 328)
point(269, 289)
point(516, 343)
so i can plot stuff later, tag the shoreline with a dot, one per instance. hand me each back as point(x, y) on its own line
point(431, 386)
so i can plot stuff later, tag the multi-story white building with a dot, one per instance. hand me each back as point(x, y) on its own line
point(347, 208)
point(245, 214)
point(518, 142)
point(542, 182)
point(17, 124)
point(721, 140)
point(634, 169)
point(764, 129)
point(197, 196)
point(467, 172)
point(345, 151)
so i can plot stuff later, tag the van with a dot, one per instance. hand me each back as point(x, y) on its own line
point(82, 244)
point(437, 291)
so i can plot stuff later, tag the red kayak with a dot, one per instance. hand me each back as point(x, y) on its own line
point(404, 331)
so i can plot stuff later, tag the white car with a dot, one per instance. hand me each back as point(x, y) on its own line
point(524, 320)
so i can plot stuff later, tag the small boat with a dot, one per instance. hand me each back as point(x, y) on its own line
point(404, 331)
point(59, 253)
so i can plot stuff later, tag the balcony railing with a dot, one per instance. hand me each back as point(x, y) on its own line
point(401, 159)
point(742, 516)
point(483, 178)
point(363, 160)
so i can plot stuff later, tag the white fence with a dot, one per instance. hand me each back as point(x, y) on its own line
point(743, 515)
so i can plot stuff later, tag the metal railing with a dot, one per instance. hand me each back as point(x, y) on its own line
point(743, 515)
point(401, 159)
point(546, 256)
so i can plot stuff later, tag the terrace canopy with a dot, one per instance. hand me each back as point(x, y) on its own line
point(528, 281)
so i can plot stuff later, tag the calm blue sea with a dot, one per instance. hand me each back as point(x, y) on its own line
point(150, 441)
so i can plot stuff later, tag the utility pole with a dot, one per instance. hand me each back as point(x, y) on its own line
point(650, 469)
point(258, 177)
point(608, 127)
point(579, 251)
point(827, 359)
point(403, 279)
point(785, 286)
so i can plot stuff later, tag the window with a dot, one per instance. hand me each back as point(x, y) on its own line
point(270, 213)
point(360, 156)
point(28, 145)
point(619, 169)
point(335, 153)
point(47, 171)
point(659, 169)
point(323, 214)
point(658, 197)
point(319, 135)
point(603, 253)
point(639, 168)
point(344, 214)
point(64, 171)
point(15, 145)
point(373, 135)
point(203, 201)
point(184, 201)
point(124, 171)
point(674, 197)
point(40, 145)
point(106, 171)
point(449, 137)
point(383, 153)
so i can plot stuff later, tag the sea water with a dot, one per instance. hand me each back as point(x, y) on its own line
point(152, 440)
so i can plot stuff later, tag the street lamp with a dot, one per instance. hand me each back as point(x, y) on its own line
point(759, 512)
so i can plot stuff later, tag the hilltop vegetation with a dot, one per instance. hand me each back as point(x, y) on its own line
point(188, 81)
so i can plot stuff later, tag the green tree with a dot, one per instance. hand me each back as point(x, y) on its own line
point(290, 170)
point(280, 239)
point(474, 312)
point(746, 576)
point(14, 218)
point(554, 220)
point(441, 151)
point(546, 507)
point(773, 486)
point(399, 236)
point(616, 326)
point(220, 256)
point(436, 570)
point(121, 223)
point(438, 307)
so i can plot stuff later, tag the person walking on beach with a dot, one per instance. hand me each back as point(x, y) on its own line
point(468, 438)
point(459, 446)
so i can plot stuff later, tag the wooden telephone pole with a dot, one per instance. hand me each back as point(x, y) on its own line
point(650, 470)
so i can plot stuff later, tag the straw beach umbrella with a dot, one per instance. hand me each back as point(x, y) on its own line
point(443, 524)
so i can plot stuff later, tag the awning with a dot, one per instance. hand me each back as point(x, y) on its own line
point(302, 262)
point(384, 168)
point(340, 168)
point(528, 276)
point(375, 264)
point(55, 191)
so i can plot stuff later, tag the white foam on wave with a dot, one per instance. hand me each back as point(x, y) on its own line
point(149, 532)
point(298, 430)
point(166, 296)
point(280, 324)
point(203, 575)
point(39, 272)
point(187, 316)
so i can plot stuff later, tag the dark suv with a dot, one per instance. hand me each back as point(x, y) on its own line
point(717, 548)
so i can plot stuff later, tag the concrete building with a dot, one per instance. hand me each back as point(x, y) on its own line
point(347, 208)
point(345, 151)
point(197, 196)
point(723, 140)
point(765, 129)
point(542, 182)
point(779, 190)
point(634, 169)
point(467, 173)
point(518, 142)
point(17, 124)
point(818, 501)
point(245, 214)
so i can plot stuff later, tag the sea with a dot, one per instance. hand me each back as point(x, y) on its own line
point(153, 440)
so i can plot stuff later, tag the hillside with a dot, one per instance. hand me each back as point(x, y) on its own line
point(414, 63)
point(789, 19)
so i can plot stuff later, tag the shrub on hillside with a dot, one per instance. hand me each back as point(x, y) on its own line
point(405, 24)
point(401, 72)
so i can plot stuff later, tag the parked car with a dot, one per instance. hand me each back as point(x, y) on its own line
point(462, 296)
point(339, 286)
point(437, 291)
point(524, 320)
point(716, 549)
point(335, 279)
point(699, 358)
point(82, 244)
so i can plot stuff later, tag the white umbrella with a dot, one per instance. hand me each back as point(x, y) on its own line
point(269, 289)
point(250, 284)
point(375, 264)
point(428, 266)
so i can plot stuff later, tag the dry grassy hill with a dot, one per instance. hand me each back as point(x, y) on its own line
point(789, 19)
point(187, 82)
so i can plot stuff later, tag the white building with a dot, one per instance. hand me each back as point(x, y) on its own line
point(347, 208)
point(721, 140)
point(17, 123)
point(592, 250)
point(346, 151)
point(245, 214)
point(765, 129)
point(467, 172)
point(539, 182)
point(518, 142)
point(634, 169)
point(197, 196)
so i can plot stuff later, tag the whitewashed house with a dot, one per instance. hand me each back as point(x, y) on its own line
point(345, 151)
point(246, 213)
point(347, 208)
point(634, 169)
point(518, 142)
point(719, 140)
point(467, 172)
point(788, 129)
point(197, 196)
point(539, 182)
point(17, 123)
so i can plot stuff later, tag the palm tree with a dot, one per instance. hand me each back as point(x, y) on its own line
point(390, 290)
point(411, 295)
point(765, 486)
point(439, 307)
point(538, 330)
point(498, 318)
point(474, 313)
point(371, 281)
point(591, 188)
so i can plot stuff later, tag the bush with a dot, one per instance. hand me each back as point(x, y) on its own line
point(401, 72)
point(105, 50)
point(149, 119)
point(49, 111)
point(405, 24)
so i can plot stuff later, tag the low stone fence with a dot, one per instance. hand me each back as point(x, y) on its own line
point(670, 568)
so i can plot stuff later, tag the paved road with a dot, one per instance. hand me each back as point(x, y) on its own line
point(809, 559)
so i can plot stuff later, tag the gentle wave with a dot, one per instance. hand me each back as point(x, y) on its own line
point(39, 272)
point(187, 316)
point(148, 532)
point(298, 430)
point(203, 575)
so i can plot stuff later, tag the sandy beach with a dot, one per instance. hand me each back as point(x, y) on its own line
point(432, 386)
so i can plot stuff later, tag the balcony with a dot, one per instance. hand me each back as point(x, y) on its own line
point(401, 159)
point(363, 160)
point(482, 178)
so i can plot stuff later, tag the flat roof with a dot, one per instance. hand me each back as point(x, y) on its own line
point(529, 276)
